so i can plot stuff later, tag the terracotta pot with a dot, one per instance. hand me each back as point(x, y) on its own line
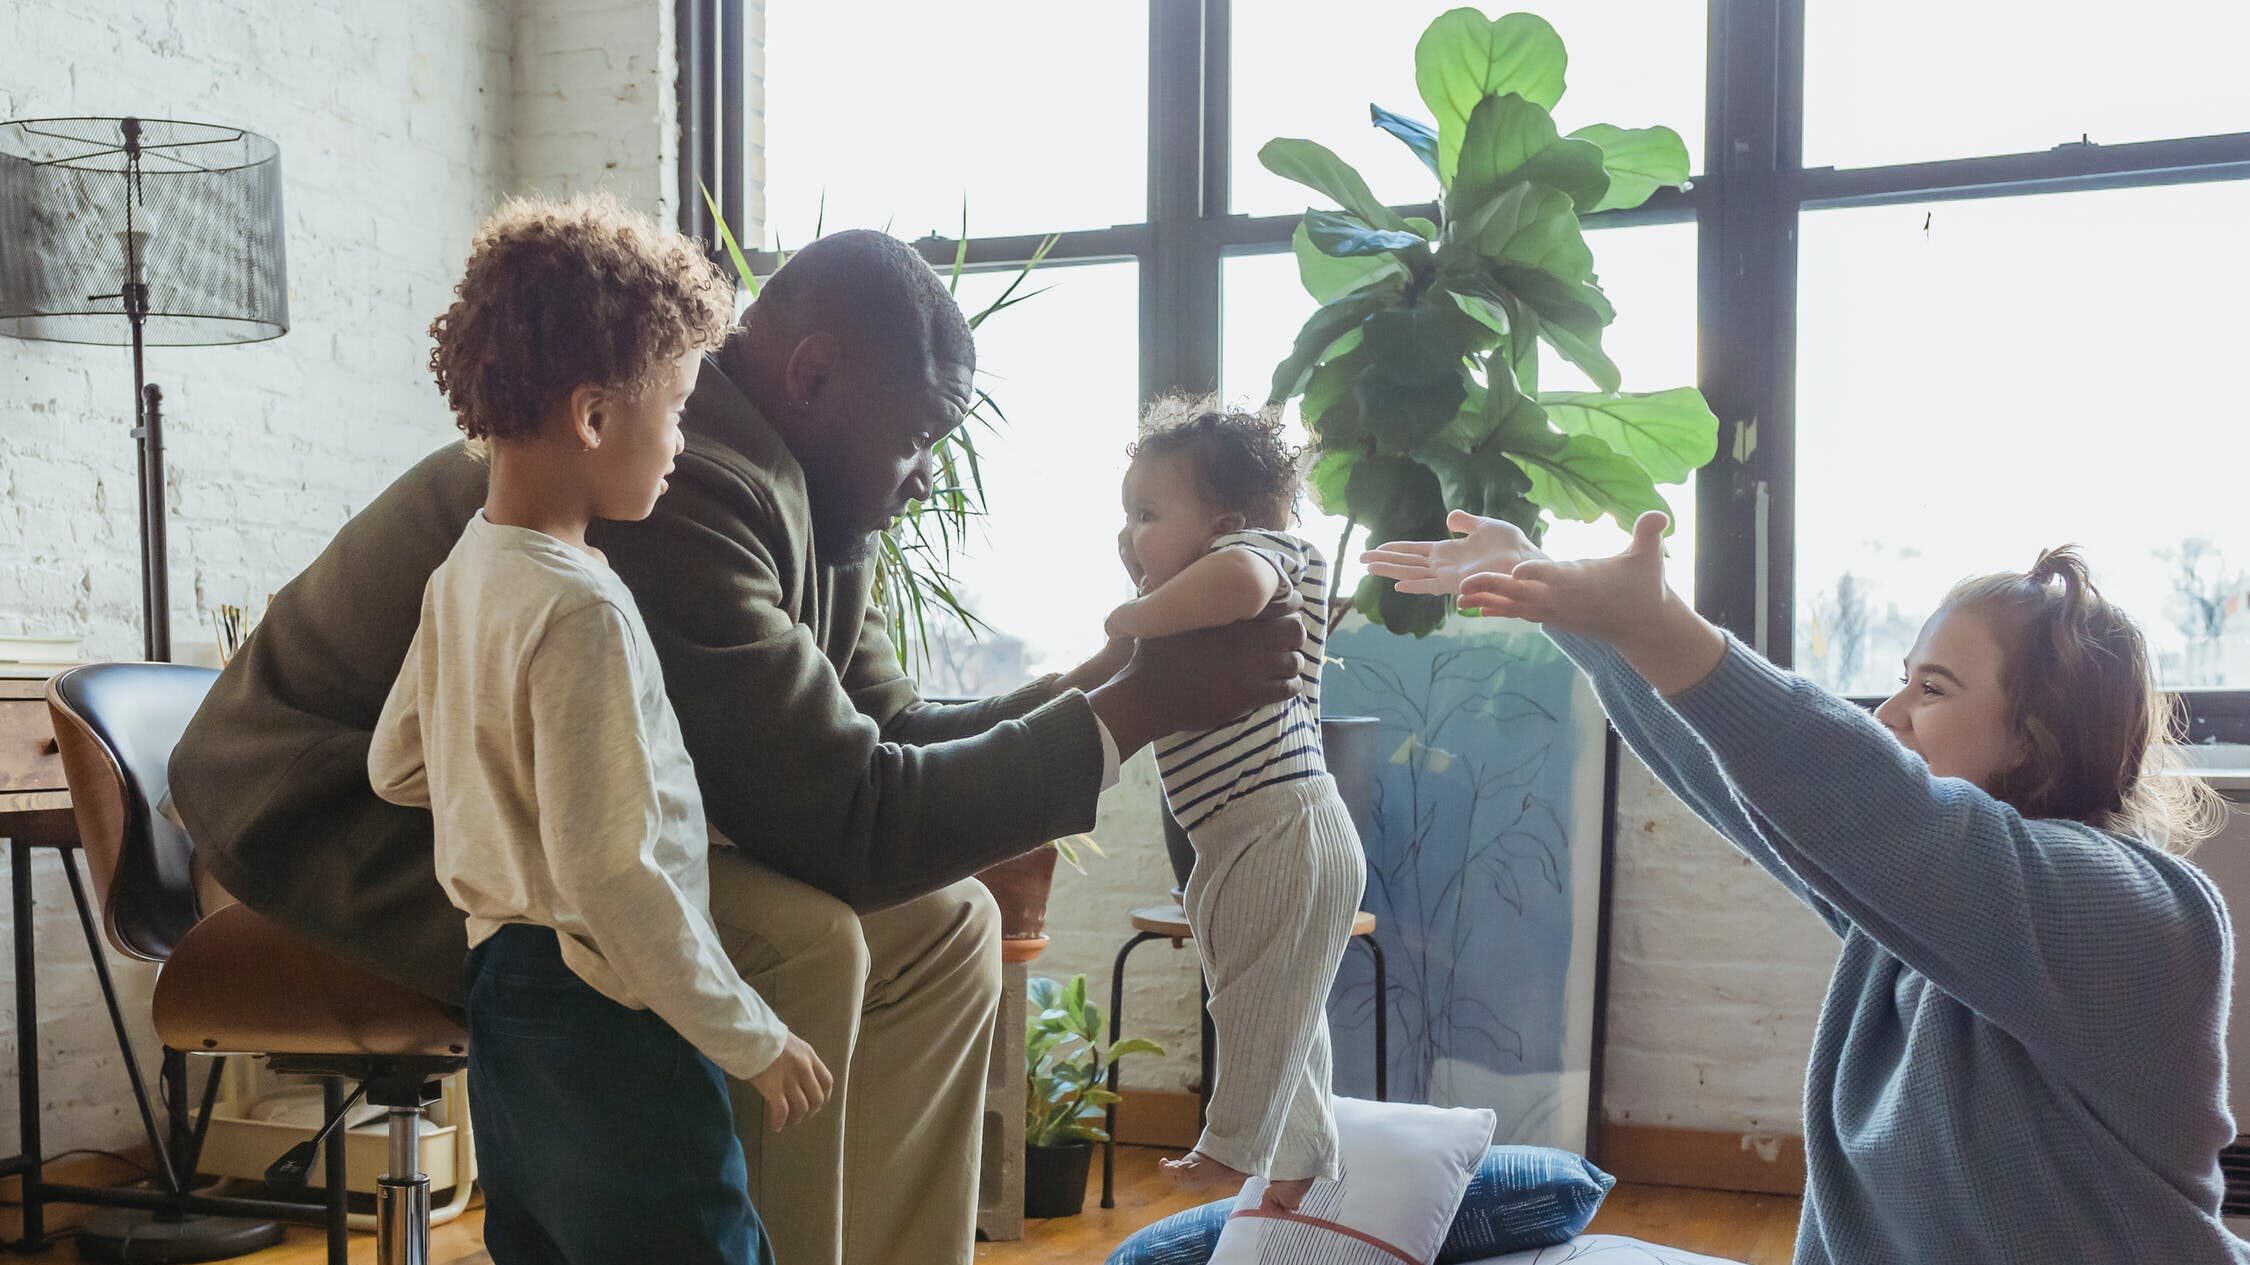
point(1020, 886)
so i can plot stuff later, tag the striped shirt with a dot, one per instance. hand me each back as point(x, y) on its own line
point(1280, 742)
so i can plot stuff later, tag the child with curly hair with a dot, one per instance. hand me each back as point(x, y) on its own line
point(1278, 869)
point(530, 718)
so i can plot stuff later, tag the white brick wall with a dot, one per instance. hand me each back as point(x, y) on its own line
point(1716, 976)
point(593, 99)
point(400, 124)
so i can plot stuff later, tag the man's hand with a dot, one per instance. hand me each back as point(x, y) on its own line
point(1203, 679)
point(793, 1085)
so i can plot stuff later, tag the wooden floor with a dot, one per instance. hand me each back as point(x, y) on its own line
point(1755, 1229)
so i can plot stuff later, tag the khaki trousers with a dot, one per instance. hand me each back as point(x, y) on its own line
point(900, 1006)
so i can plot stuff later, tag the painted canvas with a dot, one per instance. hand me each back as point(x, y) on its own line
point(1484, 851)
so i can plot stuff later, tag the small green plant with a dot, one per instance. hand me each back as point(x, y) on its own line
point(914, 581)
point(1420, 370)
point(1065, 1096)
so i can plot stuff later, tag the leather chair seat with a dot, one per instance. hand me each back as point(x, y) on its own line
point(238, 983)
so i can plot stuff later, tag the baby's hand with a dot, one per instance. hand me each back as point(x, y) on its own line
point(1121, 622)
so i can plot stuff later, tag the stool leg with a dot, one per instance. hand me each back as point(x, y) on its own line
point(339, 1190)
point(1382, 1021)
point(1116, 1024)
point(402, 1198)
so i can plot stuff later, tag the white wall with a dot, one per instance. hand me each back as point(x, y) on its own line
point(1716, 976)
point(400, 125)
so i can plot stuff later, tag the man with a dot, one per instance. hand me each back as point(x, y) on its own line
point(857, 812)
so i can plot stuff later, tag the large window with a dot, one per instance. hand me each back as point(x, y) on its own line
point(1960, 279)
point(1979, 380)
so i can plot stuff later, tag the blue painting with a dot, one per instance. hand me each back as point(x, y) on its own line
point(1483, 871)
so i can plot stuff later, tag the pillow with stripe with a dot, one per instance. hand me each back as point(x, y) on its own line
point(1520, 1197)
point(1405, 1168)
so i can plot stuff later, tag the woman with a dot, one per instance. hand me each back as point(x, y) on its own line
point(2022, 1054)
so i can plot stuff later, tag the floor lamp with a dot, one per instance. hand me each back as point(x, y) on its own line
point(174, 227)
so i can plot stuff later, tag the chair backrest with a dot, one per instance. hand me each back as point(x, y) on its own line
point(116, 725)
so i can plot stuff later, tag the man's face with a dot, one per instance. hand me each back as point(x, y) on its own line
point(878, 429)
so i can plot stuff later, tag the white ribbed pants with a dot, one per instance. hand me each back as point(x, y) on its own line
point(1278, 878)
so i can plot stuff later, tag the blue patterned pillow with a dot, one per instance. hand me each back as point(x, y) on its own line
point(1520, 1197)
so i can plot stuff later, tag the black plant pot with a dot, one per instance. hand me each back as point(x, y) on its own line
point(1350, 745)
point(1054, 1179)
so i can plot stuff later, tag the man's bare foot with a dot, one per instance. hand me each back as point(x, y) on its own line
point(1284, 1196)
point(1197, 1171)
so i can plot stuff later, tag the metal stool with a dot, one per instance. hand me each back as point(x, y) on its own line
point(1169, 922)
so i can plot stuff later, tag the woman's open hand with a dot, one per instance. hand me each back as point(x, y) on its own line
point(1443, 566)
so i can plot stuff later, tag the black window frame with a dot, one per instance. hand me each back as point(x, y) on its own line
point(1746, 206)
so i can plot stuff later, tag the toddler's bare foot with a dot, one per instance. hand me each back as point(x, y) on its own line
point(1284, 1196)
point(1197, 1171)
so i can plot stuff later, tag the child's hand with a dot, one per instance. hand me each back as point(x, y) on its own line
point(794, 1085)
point(1442, 566)
point(1609, 599)
point(1122, 625)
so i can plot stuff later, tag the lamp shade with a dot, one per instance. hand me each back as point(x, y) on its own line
point(191, 210)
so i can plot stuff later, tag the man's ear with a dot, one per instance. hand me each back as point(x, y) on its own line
point(811, 368)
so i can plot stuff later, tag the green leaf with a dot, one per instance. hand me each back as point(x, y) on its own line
point(1580, 477)
point(1671, 434)
point(1328, 277)
point(1413, 133)
point(1321, 332)
point(1315, 166)
point(1571, 318)
point(1397, 498)
point(1415, 614)
point(1639, 160)
point(726, 235)
point(1511, 141)
point(1465, 57)
point(1532, 226)
point(1347, 237)
point(1330, 474)
point(1330, 410)
point(1414, 345)
point(1402, 416)
point(1134, 1045)
point(1483, 481)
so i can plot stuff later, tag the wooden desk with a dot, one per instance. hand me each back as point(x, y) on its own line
point(34, 813)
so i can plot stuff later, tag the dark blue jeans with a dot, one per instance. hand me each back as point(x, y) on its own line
point(602, 1137)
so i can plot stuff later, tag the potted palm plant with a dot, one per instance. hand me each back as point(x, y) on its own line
point(1065, 1095)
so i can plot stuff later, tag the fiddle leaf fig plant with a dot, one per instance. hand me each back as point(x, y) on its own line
point(1419, 372)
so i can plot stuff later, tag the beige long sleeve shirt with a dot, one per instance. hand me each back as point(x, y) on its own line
point(530, 718)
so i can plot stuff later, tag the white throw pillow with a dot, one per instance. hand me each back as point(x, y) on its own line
point(1606, 1249)
point(1405, 1167)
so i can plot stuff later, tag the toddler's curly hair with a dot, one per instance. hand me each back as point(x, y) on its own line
point(1241, 459)
point(564, 294)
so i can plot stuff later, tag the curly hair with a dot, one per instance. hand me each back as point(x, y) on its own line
point(2098, 735)
point(564, 294)
point(1240, 459)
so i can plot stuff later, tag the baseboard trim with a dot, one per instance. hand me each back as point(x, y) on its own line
point(127, 1165)
point(1153, 1117)
point(1705, 1159)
